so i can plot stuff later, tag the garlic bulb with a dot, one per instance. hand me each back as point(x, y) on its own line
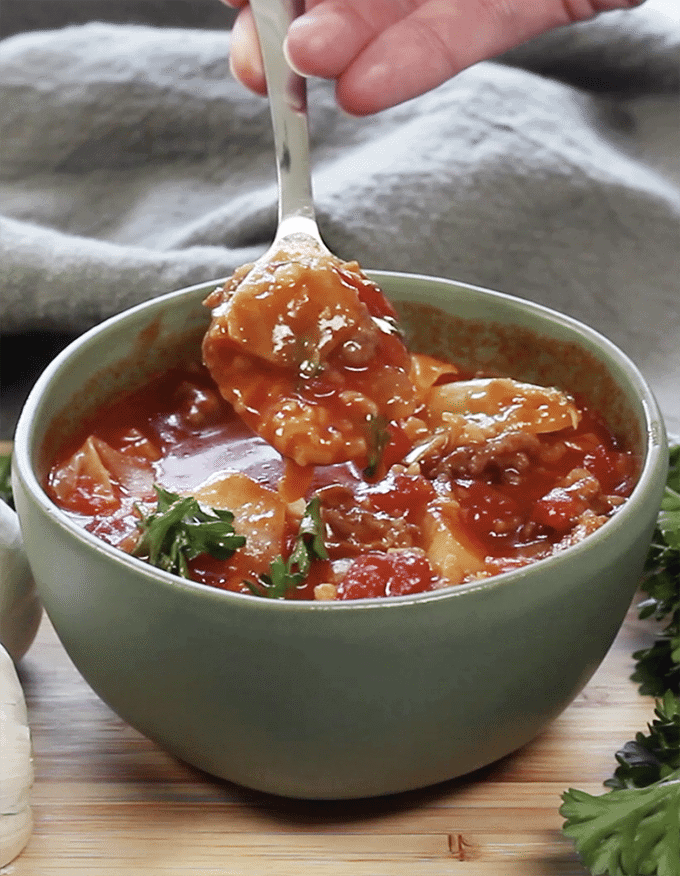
point(20, 609)
point(16, 765)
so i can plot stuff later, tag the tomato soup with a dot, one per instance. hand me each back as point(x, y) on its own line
point(479, 475)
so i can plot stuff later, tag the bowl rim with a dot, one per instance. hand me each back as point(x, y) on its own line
point(654, 447)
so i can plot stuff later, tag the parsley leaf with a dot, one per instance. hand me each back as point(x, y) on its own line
point(658, 667)
point(6, 494)
point(629, 832)
point(634, 830)
point(180, 529)
point(650, 758)
point(285, 575)
point(378, 439)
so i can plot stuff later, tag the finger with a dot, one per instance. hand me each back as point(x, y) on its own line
point(245, 59)
point(442, 37)
point(331, 34)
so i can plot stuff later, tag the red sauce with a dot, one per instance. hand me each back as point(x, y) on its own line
point(534, 499)
point(178, 431)
point(379, 574)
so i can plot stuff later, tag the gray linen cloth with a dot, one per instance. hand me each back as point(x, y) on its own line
point(132, 164)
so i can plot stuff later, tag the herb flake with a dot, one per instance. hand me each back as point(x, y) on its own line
point(378, 439)
point(285, 575)
point(180, 529)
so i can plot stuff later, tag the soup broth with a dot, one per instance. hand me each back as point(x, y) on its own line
point(484, 475)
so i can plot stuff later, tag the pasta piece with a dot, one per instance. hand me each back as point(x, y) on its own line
point(259, 515)
point(480, 409)
point(306, 350)
point(131, 471)
point(426, 371)
point(99, 470)
point(449, 550)
point(84, 470)
point(134, 443)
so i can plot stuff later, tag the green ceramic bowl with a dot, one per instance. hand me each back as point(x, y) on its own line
point(349, 699)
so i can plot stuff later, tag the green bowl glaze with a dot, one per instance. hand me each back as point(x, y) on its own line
point(349, 699)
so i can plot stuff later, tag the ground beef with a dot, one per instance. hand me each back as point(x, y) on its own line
point(508, 455)
point(353, 527)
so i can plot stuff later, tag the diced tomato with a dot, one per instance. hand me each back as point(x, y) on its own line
point(559, 509)
point(487, 510)
point(393, 574)
point(397, 447)
point(216, 573)
point(402, 495)
point(613, 469)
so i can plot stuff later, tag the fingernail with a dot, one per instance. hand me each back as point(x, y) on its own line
point(377, 77)
point(317, 32)
point(231, 65)
point(290, 63)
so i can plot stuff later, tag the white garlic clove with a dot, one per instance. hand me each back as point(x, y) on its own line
point(16, 764)
point(20, 608)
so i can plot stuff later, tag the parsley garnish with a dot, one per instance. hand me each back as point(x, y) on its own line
point(378, 439)
point(285, 575)
point(6, 479)
point(180, 529)
point(634, 830)
point(658, 667)
point(649, 759)
point(629, 832)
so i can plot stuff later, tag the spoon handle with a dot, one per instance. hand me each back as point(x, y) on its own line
point(288, 105)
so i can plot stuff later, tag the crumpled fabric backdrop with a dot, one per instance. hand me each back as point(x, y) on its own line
point(132, 164)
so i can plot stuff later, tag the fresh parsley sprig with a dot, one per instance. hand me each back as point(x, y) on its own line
point(634, 830)
point(628, 832)
point(285, 575)
point(653, 757)
point(180, 529)
point(658, 667)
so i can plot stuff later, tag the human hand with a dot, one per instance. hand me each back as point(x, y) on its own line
point(383, 52)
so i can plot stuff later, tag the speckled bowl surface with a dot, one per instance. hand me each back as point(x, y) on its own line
point(348, 699)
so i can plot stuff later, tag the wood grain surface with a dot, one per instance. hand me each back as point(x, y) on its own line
point(107, 802)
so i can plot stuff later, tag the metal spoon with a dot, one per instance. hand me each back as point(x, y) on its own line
point(288, 106)
point(301, 313)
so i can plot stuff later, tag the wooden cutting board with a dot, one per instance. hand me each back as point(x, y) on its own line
point(107, 802)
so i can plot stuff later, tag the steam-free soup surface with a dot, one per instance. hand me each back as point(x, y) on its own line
point(480, 475)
